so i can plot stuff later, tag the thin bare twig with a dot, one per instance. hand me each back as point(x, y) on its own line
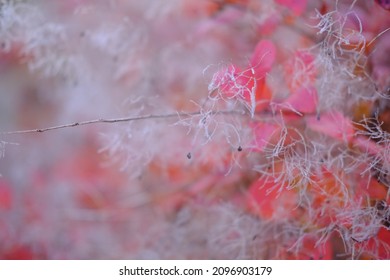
point(118, 120)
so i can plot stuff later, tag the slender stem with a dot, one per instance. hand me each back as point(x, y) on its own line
point(118, 120)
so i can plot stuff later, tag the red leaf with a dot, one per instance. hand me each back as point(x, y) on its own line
point(253, 90)
point(249, 84)
point(5, 195)
point(263, 58)
point(379, 244)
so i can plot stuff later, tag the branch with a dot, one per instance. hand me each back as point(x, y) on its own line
point(125, 119)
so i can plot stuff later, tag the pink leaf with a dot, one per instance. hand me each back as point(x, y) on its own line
point(300, 70)
point(369, 146)
point(224, 81)
point(333, 124)
point(304, 100)
point(269, 200)
point(263, 58)
point(263, 133)
point(296, 6)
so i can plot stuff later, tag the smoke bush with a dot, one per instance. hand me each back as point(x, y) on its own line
point(194, 129)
